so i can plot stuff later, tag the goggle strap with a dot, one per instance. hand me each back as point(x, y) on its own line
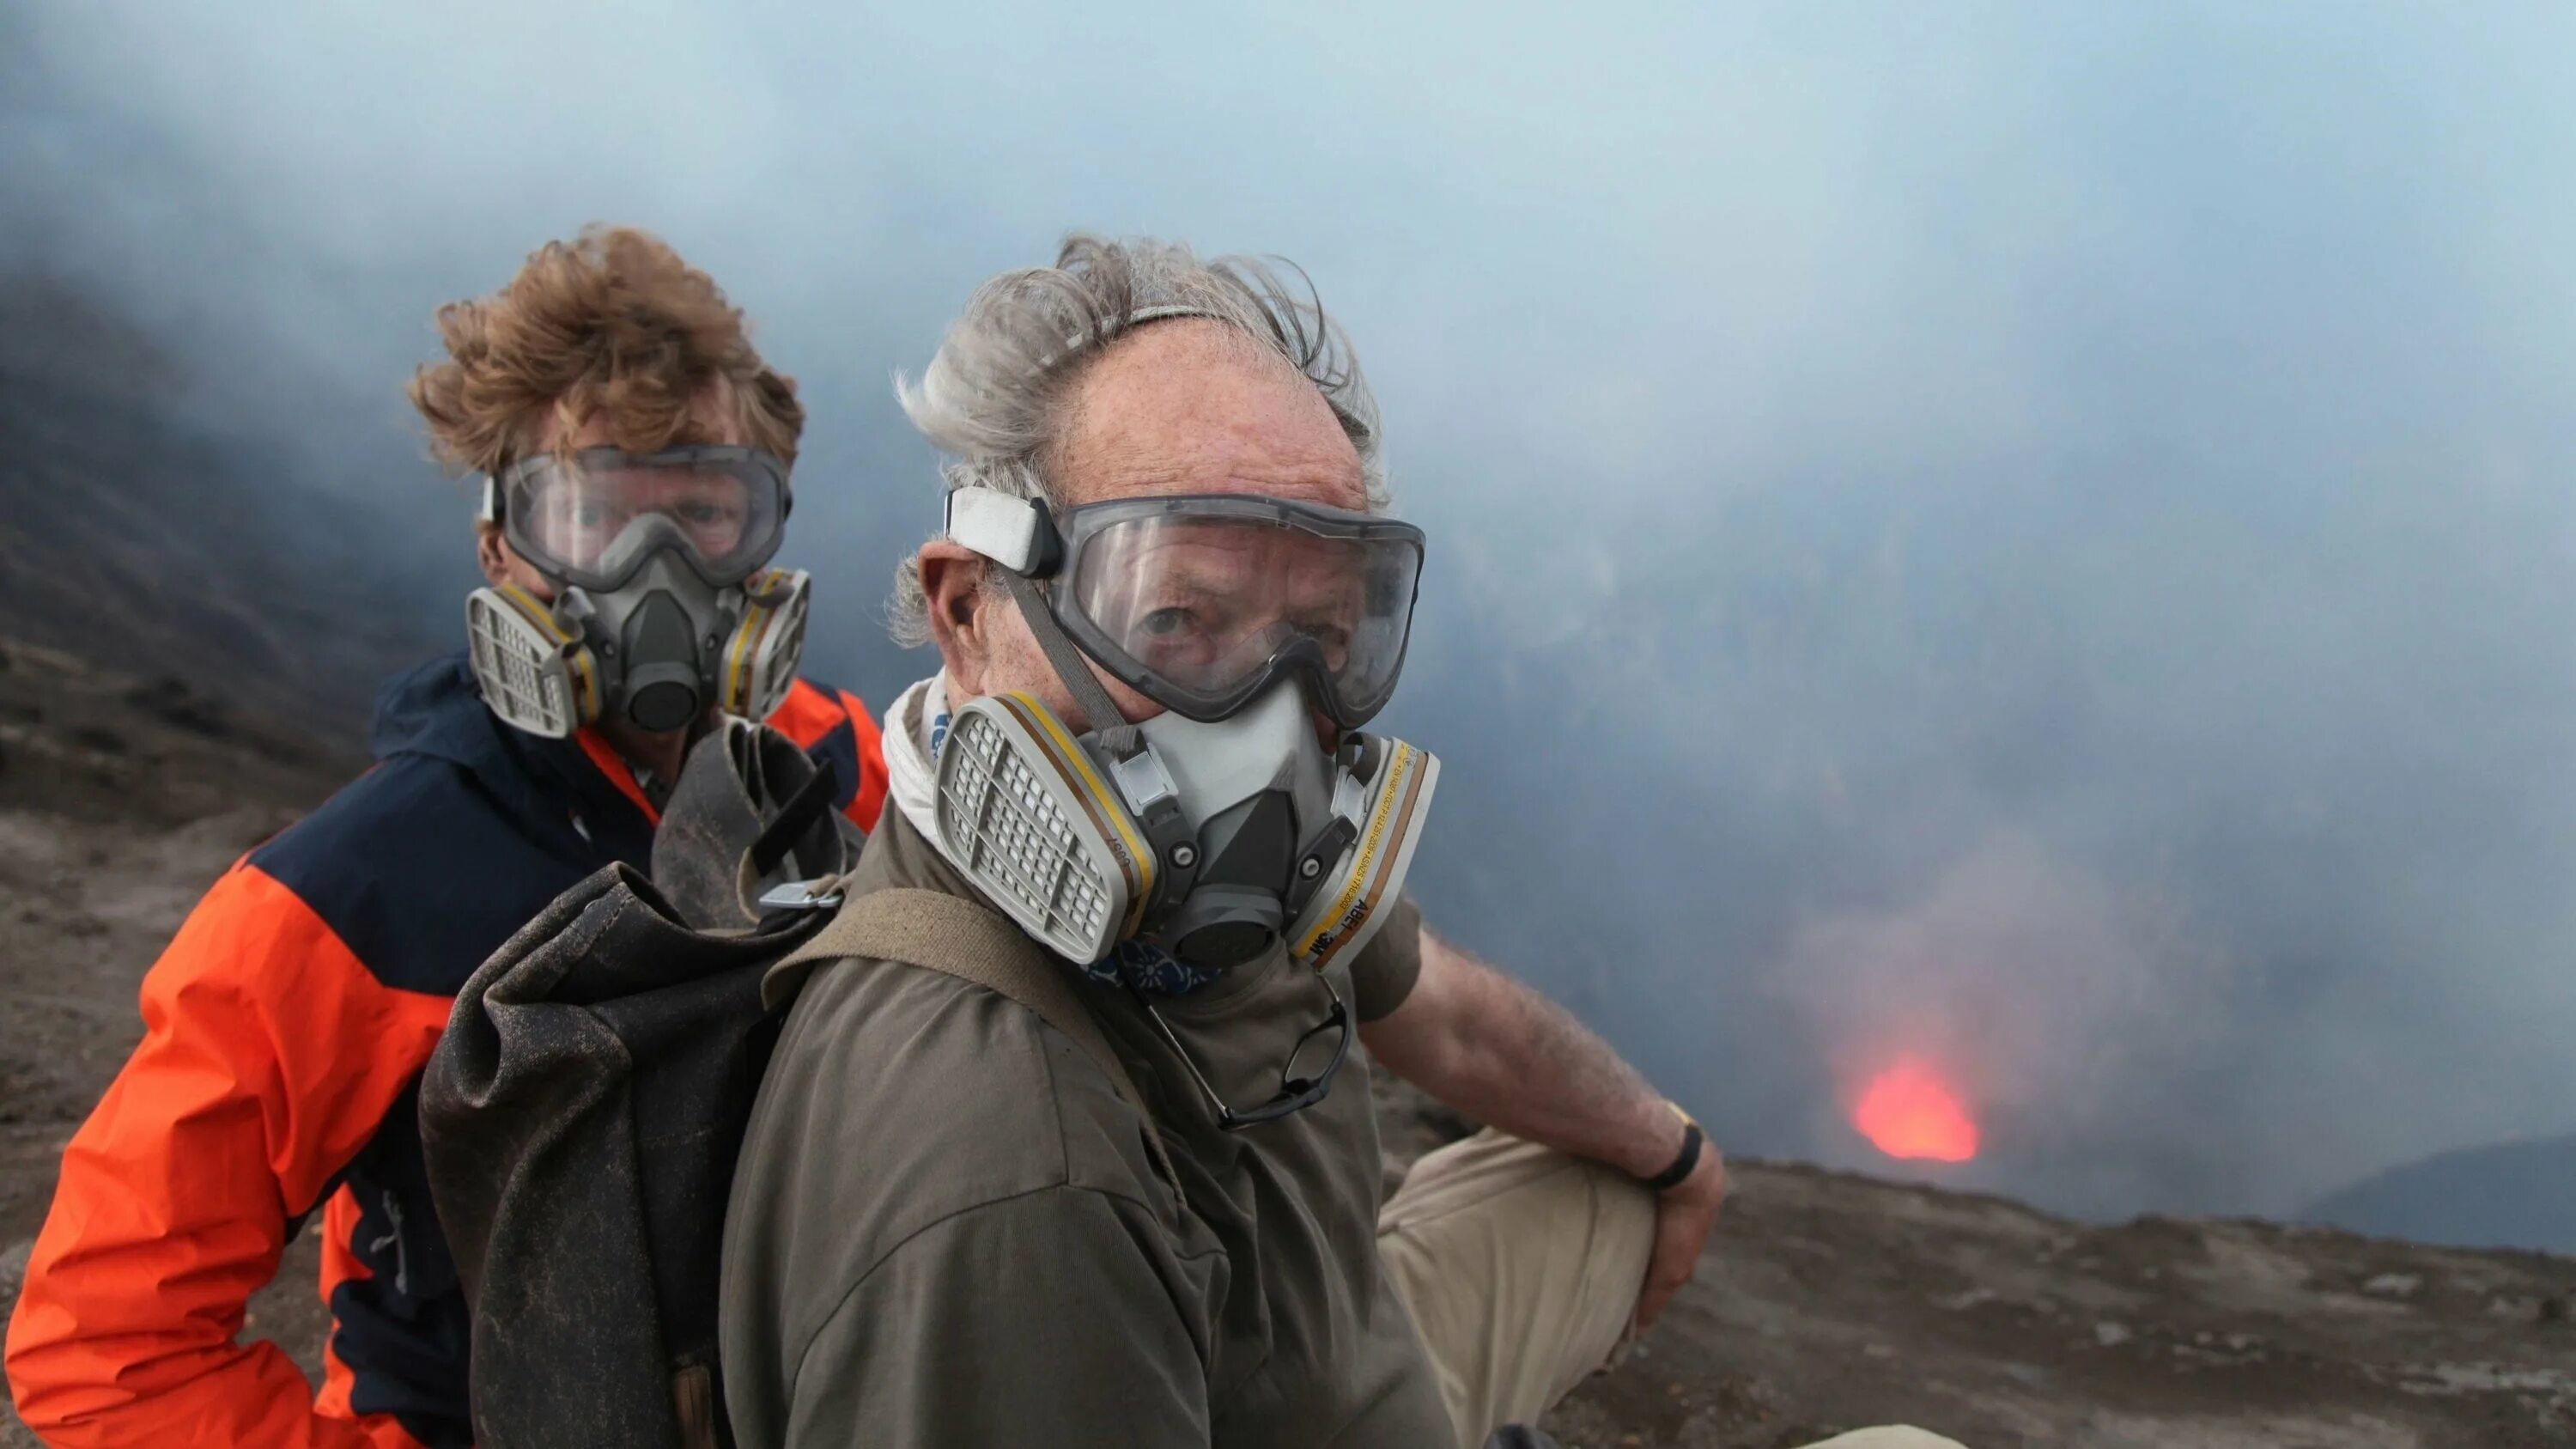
point(1114, 732)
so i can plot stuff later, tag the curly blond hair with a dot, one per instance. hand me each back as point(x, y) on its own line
point(613, 323)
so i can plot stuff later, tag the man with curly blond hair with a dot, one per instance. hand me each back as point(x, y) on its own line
point(634, 451)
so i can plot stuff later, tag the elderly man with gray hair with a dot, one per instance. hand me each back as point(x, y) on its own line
point(1131, 1197)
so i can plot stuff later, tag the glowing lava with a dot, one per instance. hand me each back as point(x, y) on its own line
point(1908, 1111)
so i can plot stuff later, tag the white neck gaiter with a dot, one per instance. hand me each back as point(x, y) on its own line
point(915, 727)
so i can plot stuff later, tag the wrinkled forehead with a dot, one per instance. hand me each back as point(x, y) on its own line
point(1192, 406)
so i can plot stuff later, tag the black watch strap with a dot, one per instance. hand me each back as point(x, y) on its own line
point(1683, 1162)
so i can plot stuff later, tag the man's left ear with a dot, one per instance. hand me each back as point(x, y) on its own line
point(952, 584)
point(492, 552)
point(502, 565)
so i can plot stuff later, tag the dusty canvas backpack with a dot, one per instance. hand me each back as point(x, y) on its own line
point(582, 1113)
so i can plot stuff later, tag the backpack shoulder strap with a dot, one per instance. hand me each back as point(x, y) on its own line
point(941, 932)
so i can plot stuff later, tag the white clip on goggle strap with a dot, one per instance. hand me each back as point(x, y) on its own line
point(1012, 531)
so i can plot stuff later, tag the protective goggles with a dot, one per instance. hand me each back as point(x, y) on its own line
point(591, 518)
point(1199, 602)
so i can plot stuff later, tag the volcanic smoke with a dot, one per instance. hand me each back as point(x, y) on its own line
point(1909, 1112)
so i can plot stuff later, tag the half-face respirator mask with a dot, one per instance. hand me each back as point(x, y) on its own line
point(1224, 825)
point(664, 602)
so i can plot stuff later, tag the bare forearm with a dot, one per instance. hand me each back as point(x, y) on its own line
point(1506, 1056)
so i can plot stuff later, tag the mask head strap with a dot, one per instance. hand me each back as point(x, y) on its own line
point(1120, 737)
point(1081, 341)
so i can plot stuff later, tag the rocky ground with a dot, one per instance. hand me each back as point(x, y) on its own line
point(1827, 1300)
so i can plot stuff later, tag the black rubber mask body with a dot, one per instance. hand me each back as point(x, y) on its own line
point(662, 676)
point(659, 639)
point(1237, 908)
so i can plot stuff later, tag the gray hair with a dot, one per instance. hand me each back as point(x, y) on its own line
point(991, 397)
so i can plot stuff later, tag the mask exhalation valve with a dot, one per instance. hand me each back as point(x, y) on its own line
point(662, 671)
point(1234, 911)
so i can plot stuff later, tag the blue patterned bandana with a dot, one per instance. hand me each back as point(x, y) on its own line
point(1148, 967)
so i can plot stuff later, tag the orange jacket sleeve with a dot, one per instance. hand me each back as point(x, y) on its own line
point(871, 797)
point(269, 1056)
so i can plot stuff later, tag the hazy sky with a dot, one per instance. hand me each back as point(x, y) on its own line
point(2035, 537)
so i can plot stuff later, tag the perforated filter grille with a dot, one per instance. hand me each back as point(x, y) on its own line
point(1005, 824)
point(512, 662)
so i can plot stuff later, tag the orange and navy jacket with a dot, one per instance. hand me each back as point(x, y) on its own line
point(285, 1029)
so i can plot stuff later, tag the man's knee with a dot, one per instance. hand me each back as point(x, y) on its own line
point(1565, 1221)
point(1540, 1183)
point(1496, 1230)
point(1888, 1436)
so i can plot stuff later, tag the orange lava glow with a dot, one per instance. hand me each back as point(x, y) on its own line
point(1908, 1111)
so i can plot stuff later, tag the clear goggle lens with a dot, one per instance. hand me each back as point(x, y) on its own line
point(592, 516)
point(1201, 609)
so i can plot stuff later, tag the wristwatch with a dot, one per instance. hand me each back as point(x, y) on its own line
point(1684, 1161)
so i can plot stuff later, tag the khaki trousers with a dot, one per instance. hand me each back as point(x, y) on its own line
point(1521, 1268)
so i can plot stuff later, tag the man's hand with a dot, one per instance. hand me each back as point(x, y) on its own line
point(1683, 1215)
